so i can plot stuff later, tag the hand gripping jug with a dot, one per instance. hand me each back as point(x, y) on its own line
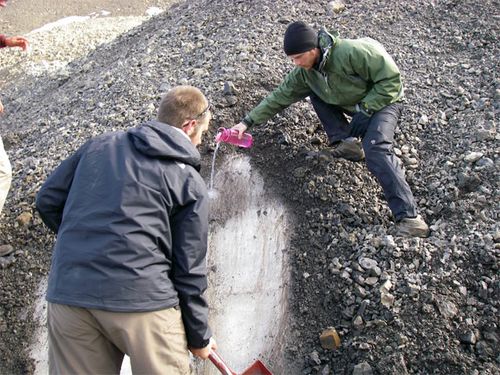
point(231, 136)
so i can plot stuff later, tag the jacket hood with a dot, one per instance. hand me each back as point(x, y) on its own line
point(162, 141)
point(326, 42)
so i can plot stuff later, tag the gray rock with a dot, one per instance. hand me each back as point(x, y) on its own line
point(229, 88)
point(6, 250)
point(484, 350)
point(362, 368)
point(446, 308)
point(367, 263)
point(7, 261)
point(484, 163)
point(335, 7)
point(300, 172)
point(314, 357)
point(468, 337)
point(472, 157)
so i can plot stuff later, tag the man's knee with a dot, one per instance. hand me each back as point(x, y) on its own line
point(379, 156)
point(376, 145)
point(382, 127)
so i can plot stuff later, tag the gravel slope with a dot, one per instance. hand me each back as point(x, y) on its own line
point(401, 306)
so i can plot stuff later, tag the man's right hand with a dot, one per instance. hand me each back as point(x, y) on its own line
point(241, 127)
point(203, 353)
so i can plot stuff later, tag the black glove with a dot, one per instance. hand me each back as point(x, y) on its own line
point(359, 124)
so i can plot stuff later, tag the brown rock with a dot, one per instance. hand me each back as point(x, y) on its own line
point(24, 219)
point(330, 339)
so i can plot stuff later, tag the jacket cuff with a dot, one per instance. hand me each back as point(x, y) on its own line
point(248, 121)
point(2, 41)
point(363, 108)
point(200, 345)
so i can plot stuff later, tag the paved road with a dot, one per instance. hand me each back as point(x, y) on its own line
point(21, 16)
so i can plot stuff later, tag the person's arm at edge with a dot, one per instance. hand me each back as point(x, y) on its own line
point(17, 41)
point(291, 90)
point(189, 273)
point(14, 41)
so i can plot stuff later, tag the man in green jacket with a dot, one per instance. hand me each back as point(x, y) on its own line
point(354, 77)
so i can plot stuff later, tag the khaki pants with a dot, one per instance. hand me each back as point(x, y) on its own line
point(88, 341)
point(5, 175)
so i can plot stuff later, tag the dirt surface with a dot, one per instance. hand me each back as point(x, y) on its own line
point(400, 305)
point(21, 16)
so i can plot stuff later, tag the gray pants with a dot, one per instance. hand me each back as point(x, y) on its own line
point(377, 144)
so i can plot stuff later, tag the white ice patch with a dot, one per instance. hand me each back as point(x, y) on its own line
point(247, 292)
point(60, 23)
point(40, 346)
point(153, 11)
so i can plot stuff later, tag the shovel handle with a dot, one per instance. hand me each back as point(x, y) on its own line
point(219, 363)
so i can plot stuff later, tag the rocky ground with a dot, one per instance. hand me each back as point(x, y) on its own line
point(22, 16)
point(401, 306)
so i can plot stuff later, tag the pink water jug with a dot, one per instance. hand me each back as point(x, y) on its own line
point(231, 136)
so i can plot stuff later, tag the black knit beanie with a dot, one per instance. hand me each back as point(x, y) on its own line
point(299, 38)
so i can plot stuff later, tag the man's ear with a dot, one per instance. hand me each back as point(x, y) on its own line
point(188, 127)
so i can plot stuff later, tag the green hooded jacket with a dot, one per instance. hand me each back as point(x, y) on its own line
point(351, 72)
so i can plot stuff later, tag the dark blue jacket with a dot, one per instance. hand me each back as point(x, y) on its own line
point(131, 215)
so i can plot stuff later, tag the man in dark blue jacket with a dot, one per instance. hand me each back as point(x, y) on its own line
point(130, 210)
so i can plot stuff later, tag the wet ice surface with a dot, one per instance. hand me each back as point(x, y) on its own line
point(40, 346)
point(247, 293)
point(211, 185)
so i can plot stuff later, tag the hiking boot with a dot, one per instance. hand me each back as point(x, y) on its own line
point(412, 227)
point(350, 150)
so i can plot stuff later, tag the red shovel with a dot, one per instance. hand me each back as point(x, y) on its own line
point(257, 367)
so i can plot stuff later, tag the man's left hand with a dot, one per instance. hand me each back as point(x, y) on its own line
point(17, 41)
point(359, 125)
point(203, 353)
point(240, 127)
